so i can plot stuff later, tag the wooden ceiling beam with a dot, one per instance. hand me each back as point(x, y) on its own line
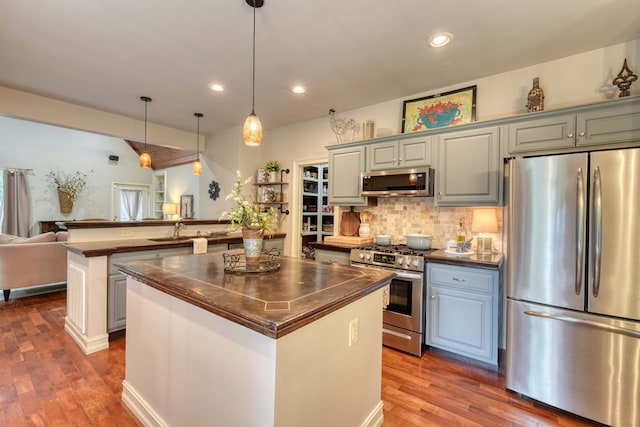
point(164, 157)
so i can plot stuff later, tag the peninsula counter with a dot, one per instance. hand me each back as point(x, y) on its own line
point(297, 346)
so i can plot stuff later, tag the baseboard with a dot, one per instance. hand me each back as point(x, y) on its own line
point(30, 291)
point(145, 414)
point(376, 417)
point(88, 346)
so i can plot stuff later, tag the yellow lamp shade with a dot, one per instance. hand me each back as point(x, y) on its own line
point(252, 130)
point(169, 208)
point(145, 160)
point(197, 168)
point(484, 220)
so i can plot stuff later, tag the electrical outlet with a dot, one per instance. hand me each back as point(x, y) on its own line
point(353, 332)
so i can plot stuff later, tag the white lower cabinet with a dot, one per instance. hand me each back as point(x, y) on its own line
point(462, 311)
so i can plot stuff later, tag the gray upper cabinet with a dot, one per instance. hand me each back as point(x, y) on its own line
point(405, 153)
point(470, 170)
point(345, 166)
point(555, 132)
point(609, 125)
point(597, 124)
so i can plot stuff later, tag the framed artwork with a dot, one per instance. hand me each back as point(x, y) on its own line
point(186, 206)
point(439, 110)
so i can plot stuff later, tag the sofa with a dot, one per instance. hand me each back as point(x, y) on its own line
point(33, 261)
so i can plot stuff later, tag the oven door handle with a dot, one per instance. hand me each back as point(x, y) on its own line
point(410, 276)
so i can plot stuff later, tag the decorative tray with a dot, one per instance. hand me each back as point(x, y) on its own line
point(454, 252)
point(237, 263)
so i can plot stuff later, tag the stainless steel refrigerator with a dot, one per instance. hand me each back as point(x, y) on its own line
point(573, 283)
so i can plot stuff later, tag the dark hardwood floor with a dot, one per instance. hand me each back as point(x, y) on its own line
point(45, 380)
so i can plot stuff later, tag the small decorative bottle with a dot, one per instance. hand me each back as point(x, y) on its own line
point(535, 100)
point(461, 237)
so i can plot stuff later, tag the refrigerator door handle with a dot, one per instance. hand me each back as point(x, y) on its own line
point(580, 221)
point(597, 230)
point(614, 329)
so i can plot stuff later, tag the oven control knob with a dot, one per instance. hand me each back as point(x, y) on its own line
point(368, 257)
point(361, 255)
point(400, 260)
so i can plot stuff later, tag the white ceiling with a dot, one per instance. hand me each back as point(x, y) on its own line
point(349, 53)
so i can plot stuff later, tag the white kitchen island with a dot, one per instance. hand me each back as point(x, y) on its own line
point(205, 348)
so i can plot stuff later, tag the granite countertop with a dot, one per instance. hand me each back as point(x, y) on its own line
point(274, 303)
point(109, 247)
point(490, 261)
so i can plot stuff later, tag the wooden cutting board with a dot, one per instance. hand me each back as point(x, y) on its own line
point(350, 223)
point(349, 240)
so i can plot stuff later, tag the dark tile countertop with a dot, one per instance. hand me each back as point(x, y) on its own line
point(109, 247)
point(490, 261)
point(274, 303)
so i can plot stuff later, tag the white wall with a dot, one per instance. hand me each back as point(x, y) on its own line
point(44, 148)
point(573, 80)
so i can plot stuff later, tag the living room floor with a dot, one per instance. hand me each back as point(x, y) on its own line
point(46, 380)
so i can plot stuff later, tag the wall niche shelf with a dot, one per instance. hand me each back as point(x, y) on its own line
point(271, 193)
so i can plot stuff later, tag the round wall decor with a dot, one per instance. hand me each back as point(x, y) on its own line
point(214, 190)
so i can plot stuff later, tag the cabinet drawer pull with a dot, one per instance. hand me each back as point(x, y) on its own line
point(458, 279)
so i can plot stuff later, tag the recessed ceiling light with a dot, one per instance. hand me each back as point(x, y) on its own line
point(216, 87)
point(440, 39)
point(298, 89)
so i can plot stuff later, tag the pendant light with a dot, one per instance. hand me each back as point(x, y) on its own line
point(197, 166)
point(252, 129)
point(145, 158)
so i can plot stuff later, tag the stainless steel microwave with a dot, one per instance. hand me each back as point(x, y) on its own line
point(398, 182)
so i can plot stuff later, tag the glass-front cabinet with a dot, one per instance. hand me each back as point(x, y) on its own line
point(317, 214)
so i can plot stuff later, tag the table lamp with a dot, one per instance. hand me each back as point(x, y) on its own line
point(484, 221)
point(169, 209)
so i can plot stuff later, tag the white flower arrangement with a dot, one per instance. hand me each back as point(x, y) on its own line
point(246, 212)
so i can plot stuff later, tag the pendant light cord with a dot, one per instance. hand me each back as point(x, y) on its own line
point(145, 125)
point(253, 89)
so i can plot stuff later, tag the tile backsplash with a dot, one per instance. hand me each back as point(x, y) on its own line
point(399, 216)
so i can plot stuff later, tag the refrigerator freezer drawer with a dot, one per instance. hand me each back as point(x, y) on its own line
point(582, 363)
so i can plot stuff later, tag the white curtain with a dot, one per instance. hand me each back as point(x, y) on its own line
point(16, 207)
point(131, 200)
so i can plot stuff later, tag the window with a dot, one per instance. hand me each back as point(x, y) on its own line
point(130, 202)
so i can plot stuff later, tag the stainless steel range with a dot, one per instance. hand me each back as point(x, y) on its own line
point(404, 317)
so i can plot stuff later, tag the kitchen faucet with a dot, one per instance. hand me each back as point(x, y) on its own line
point(176, 229)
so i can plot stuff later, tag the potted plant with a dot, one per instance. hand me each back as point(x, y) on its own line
point(252, 217)
point(273, 167)
point(69, 186)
